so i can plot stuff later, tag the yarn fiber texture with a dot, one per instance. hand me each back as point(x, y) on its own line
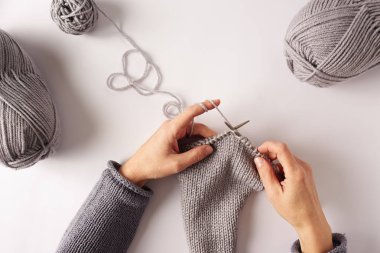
point(107, 221)
point(74, 16)
point(29, 126)
point(329, 41)
point(214, 191)
point(339, 244)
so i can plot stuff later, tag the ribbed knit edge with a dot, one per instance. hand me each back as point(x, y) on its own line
point(339, 242)
point(107, 221)
point(114, 169)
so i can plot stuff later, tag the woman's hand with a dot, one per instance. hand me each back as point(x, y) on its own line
point(159, 156)
point(295, 198)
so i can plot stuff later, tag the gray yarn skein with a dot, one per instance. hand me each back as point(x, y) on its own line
point(29, 126)
point(329, 41)
point(74, 16)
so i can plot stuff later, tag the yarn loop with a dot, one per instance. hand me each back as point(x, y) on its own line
point(330, 41)
point(79, 16)
point(170, 109)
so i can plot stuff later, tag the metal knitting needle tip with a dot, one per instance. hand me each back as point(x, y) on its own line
point(241, 124)
point(229, 125)
point(235, 129)
point(232, 128)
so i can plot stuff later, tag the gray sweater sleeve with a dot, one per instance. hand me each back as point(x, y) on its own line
point(339, 241)
point(108, 219)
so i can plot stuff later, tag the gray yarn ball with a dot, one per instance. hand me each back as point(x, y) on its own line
point(329, 41)
point(29, 126)
point(74, 16)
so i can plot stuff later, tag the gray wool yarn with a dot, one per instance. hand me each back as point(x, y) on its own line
point(80, 16)
point(214, 191)
point(329, 41)
point(74, 16)
point(29, 126)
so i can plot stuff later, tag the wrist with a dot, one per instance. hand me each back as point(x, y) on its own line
point(315, 237)
point(131, 174)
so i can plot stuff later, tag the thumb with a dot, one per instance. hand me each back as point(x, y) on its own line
point(193, 156)
point(267, 175)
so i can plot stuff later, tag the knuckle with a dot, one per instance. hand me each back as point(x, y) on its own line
point(267, 143)
point(165, 122)
point(193, 108)
point(176, 166)
point(309, 170)
point(200, 154)
point(264, 146)
point(299, 176)
point(200, 125)
point(307, 167)
point(272, 195)
point(172, 127)
point(272, 142)
point(282, 146)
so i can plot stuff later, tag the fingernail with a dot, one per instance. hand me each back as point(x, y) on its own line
point(258, 161)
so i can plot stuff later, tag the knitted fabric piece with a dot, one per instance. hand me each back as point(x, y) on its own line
point(108, 219)
point(214, 190)
point(339, 242)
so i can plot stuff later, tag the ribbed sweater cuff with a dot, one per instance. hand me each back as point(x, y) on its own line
point(114, 168)
point(108, 219)
point(339, 242)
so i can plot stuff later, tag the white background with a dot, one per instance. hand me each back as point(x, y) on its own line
point(231, 50)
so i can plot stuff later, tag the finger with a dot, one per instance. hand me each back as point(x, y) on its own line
point(193, 156)
point(302, 162)
point(280, 151)
point(203, 130)
point(268, 177)
point(304, 165)
point(184, 119)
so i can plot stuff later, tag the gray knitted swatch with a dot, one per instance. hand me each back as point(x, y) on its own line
point(214, 190)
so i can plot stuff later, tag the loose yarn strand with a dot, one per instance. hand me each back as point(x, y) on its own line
point(137, 84)
point(220, 112)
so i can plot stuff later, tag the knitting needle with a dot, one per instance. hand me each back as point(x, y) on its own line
point(227, 122)
point(235, 128)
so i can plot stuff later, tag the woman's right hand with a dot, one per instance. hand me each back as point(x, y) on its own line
point(295, 198)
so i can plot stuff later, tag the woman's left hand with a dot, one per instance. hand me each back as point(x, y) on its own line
point(159, 156)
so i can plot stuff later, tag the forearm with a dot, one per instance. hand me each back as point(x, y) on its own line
point(315, 240)
point(315, 237)
point(108, 219)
